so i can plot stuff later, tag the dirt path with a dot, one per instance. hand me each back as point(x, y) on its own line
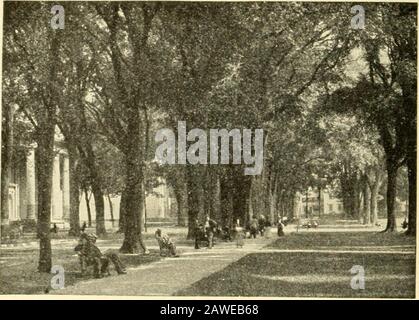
point(165, 277)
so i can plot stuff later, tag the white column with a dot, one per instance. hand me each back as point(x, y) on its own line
point(66, 188)
point(30, 186)
point(56, 196)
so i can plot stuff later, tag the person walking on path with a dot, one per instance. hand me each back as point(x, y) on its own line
point(254, 227)
point(280, 228)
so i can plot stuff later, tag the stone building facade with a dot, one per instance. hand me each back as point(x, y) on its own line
point(23, 191)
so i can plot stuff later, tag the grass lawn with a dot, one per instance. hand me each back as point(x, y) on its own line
point(18, 266)
point(320, 273)
point(19, 274)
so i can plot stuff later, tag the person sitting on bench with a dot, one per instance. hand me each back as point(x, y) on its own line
point(90, 255)
point(165, 243)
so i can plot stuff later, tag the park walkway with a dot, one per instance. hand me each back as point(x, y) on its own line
point(169, 275)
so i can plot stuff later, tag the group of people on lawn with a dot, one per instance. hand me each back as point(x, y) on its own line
point(90, 255)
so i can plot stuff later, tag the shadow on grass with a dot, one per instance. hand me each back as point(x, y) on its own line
point(316, 274)
point(20, 276)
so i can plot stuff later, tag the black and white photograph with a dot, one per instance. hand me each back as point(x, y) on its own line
point(204, 150)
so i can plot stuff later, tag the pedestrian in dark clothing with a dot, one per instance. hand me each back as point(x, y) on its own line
point(54, 228)
point(254, 227)
point(280, 229)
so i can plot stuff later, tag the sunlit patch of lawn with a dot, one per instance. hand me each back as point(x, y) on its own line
point(317, 274)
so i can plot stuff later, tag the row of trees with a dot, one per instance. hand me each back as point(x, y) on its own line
point(120, 71)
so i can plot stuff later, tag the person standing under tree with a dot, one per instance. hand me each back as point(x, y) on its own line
point(210, 227)
point(280, 228)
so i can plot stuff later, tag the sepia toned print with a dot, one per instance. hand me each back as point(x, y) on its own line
point(208, 149)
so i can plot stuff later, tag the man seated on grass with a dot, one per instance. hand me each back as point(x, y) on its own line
point(165, 243)
point(90, 255)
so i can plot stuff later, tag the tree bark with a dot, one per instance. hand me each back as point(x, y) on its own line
point(122, 211)
point(45, 136)
point(241, 193)
point(181, 198)
point(194, 197)
point(356, 198)
point(411, 167)
point(7, 143)
point(111, 209)
point(95, 182)
point(44, 171)
point(89, 212)
point(226, 199)
point(374, 177)
point(99, 208)
point(134, 186)
point(74, 193)
point(366, 203)
point(391, 196)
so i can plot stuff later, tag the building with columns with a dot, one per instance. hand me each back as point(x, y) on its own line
point(23, 191)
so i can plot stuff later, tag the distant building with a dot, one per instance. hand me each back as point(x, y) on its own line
point(320, 203)
point(23, 192)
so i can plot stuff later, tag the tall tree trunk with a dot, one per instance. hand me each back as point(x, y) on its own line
point(100, 208)
point(132, 207)
point(356, 199)
point(134, 186)
point(111, 209)
point(181, 198)
point(7, 143)
point(273, 199)
point(241, 193)
point(89, 211)
point(214, 197)
point(374, 180)
point(95, 182)
point(122, 211)
point(145, 212)
point(193, 186)
point(391, 196)
point(409, 89)
point(320, 202)
point(45, 152)
point(411, 167)
point(374, 203)
point(226, 199)
point(296, 207)
point(45, 134)
point(74, 193)
point(367, 202)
